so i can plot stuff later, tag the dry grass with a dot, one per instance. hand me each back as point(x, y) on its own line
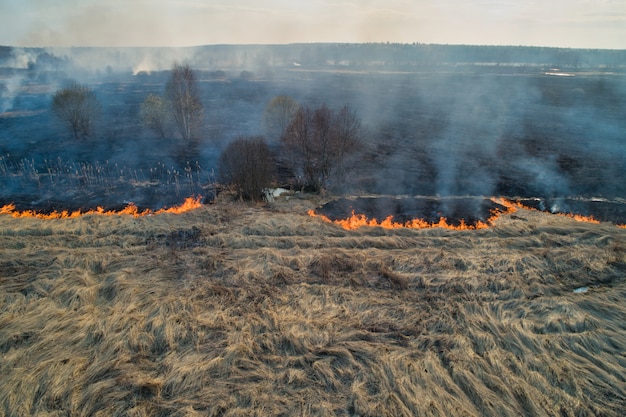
point(241, 310)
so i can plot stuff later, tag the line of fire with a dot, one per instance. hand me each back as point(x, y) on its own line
point(496, 208)
point(190, 203)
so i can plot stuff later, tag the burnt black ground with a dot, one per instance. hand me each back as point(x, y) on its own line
point(430, 209)
point(470, 209)
point(453, 131)
point(602, 210)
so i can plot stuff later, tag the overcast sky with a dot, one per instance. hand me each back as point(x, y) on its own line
point(564, 23)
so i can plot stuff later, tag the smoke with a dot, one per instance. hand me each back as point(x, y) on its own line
point(21, 58)
point(12, 77)
point(432, 126)
point(505, 132)
point(9, 88)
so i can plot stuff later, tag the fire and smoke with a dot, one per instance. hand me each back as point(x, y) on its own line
point(191, 203)
point(356, 221)
point(413, 213)
point(442, 123)
point(502, 207)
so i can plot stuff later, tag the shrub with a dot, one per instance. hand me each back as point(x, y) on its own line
point(77, 106)
point(247, 165)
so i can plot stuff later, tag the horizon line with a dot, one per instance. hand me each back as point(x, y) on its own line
point(415, 43)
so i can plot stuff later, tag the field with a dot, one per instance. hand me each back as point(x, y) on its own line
point(241, 309)
point(530, 132)
point(232, 310)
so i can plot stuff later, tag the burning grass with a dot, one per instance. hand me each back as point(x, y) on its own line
point(52, 186)
point(248, 310)
point(190, 203)
point(499, 207)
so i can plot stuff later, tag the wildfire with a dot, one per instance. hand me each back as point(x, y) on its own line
point(359, 220)
point(190, 203)
point(577, 217)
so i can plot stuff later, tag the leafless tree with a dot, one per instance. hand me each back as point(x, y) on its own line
point(183, 98)
point(77, 106)
point(317, 142)
point(279, 113)
point(247, 164)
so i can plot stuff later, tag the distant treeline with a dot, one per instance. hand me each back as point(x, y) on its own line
point(315, 55)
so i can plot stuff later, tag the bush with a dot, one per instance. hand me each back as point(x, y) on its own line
point(77, 106)
point(247, 165)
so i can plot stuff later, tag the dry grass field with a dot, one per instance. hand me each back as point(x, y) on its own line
point(242, 310)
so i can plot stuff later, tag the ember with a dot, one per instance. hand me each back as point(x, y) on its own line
point(190, 203)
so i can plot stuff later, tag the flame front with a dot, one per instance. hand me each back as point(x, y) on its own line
point(190, 203)
point(359, 220)
point(580, 218)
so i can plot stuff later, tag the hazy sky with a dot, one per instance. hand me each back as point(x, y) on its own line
point(565, 23)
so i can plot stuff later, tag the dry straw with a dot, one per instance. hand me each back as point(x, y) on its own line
point(235, 310)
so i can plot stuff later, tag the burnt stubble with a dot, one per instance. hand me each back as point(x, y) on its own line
point(529, 130)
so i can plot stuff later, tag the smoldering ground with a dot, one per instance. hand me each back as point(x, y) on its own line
point(443, 123)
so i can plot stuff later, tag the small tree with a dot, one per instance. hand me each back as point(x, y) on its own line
point(154, 114)
point(77, 106)
point(246, 163)
point(318, 142)
point(183, 100)
point(279, 113)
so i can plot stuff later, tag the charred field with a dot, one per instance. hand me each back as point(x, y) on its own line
point(237, 308)
point(528, 131)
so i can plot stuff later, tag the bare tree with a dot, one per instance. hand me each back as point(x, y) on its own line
point(183, 98)
point(347, 134)
point(154, 114)
point(279, 113)
point(247, 164)
point(77, 106)
point(317, 142)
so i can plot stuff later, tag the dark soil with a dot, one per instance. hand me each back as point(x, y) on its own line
point(467, 131)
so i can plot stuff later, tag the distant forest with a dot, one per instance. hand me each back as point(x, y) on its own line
point(388, 56)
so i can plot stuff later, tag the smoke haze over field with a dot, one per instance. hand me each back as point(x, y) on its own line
point(439, 120)
point(563, 23)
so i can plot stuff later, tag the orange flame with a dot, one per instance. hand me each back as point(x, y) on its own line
point(577, 217)
point(359, 220)
point(580, 218)
point(190, 203)
point(510, 205)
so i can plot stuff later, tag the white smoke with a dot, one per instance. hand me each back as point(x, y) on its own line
point(21, 58)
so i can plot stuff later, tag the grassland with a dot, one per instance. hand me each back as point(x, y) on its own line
point(242, 310)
